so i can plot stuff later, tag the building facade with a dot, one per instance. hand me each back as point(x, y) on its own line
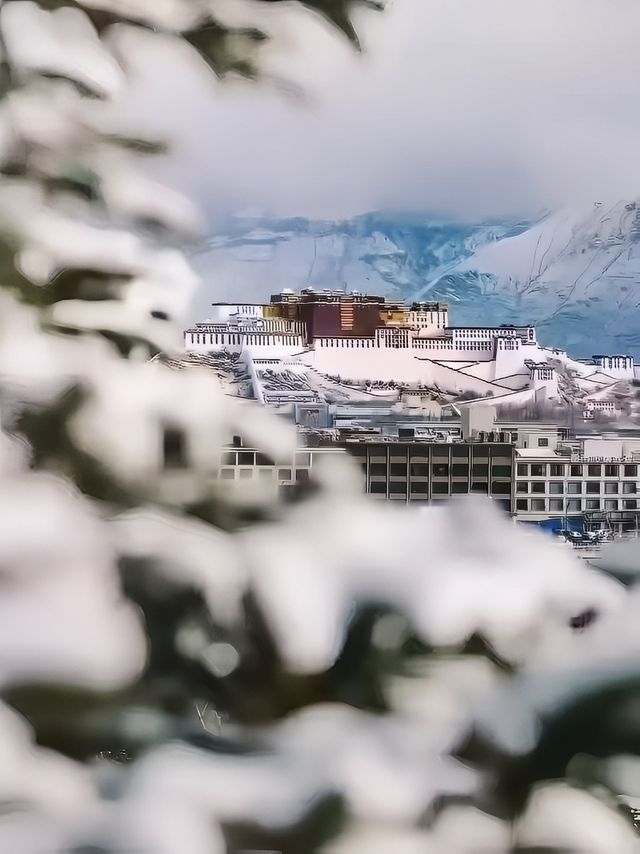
point(417, 472)
point(571, 485)
point(410, 471)
point(594, 407)
point(551, 485)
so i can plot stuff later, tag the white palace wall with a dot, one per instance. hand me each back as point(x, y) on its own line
point(454, 381)
point(509, 357)
point(508, 398)
point(258, 343)
point(516, 381)
point(481, 370)
point(273, 346)
point(366, 363)
point(463, 361)
point(618, 367)
point(389, 364)
point(213, 342)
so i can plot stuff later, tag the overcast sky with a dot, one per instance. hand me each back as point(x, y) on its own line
point(471, 108)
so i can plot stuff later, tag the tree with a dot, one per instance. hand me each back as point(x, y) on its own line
point(262, 676)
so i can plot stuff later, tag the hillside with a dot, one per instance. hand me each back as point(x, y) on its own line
point(576, 274)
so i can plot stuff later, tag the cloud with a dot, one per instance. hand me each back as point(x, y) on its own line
point(466, 107)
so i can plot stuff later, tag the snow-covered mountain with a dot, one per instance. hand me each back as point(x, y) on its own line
point(576, 272)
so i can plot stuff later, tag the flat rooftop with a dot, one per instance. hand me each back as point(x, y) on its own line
point(539, 453)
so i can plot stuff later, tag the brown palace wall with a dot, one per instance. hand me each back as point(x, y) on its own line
point(335, 320)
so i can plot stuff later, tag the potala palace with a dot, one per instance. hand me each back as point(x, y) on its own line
point(319, 345)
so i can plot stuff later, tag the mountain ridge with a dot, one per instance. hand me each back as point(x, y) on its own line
point(574, 272)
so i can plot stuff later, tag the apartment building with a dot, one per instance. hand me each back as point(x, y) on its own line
point(604, 491)
point(407, 471)
point(417, 472)
point(591, 480)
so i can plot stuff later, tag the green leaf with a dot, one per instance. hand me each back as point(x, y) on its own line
point(219, 47)
point(10, 276)
point(479, 646)
point(601, 722)
point(74, 721)
point(53, 449)
point(77, 180)
point(322, 823)
point(137, 144)
point(338, 13)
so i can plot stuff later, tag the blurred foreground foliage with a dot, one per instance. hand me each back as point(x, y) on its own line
point(205, 674)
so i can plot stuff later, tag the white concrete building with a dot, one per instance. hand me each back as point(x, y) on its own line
point(619, 367)
point(479, 424)
point(596, 476)
point(543, 376)
point(429, 318)
point(594, 406)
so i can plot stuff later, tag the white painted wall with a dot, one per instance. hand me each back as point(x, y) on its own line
point(449, 379)
point(277, 345)
point(368, 363)
point(258, 391)
point(509, 398)
point(429, 322)
point(544, 379)
point(482, 370)
point(463, 355)
point(361, 364)
point(515, 382)
point(273, 346)
point(606, 448)
point(476, 419)
point(210, 342)
point(630, 447)
point(508, 357)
